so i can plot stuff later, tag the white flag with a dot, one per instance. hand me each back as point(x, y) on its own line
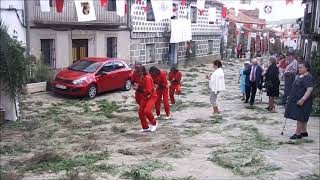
point(236, 12)
point(85, 10)
point(121, 7)
point(212, 14)
point(200, 4)
point(45, 5)
point(162, 9)
point(180, 30)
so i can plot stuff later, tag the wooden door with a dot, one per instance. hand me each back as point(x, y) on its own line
point(79, 49)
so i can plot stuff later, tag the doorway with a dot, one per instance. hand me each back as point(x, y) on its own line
point(112, 47)
point(79, 49)
point(150, 53)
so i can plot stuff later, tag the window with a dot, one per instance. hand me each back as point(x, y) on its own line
point(150, 53)
point(48, 52)
point(112, 47)
point(210, 49)
point(107, 67)
point(193, 14)
point(118, 65)
point(112, 5)
point(150, 14)
point(85, 66)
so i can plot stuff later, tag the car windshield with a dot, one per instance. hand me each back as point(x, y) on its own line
point(85, 66)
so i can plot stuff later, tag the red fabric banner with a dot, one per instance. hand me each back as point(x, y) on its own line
point(289, 1)
point(59, 5)
point(183, 2)
point(224, 12)
point(201, 12)
point(248, 26)
point(104, 3)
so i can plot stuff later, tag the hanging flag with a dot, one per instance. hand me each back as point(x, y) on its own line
point(236, 12)
point(121, 7)
point(85, 10)
point(104, 3)
point(201, 12)
point(162, 9)
point(212, 14)
point(200, 4)
point(183, 2)
point(248, 26)
point(289, 1)
point(59, 5)
point(45, 5)
point(224, 12)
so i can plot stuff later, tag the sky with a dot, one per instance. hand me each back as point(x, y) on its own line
point(280, 10)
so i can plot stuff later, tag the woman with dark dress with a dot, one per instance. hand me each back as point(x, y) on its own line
point(299, 106)
point(272, 83)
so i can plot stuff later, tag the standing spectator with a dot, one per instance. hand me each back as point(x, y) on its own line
point(299, 105)
point(189, 54)
point(253, 81)
point(161, 83)
point(216, 84)
point(272, 83)
point(175, 79)
point(289, 75)
point(282, 65)
point(238, 50)
point(242, 80)
point(147, 101)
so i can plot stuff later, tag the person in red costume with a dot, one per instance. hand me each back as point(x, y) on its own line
point(160, 79)
point(136, 81)
point(175, 79)
point(147, 102)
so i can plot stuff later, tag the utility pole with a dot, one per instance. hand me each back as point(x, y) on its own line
point(27, 23)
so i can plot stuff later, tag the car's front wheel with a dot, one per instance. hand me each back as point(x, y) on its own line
point(127, 85)
point(92, 91)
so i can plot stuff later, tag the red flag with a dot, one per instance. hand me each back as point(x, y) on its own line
point(104, 3)
point(248, 26)
point(224, 12)
point(59, 5)
point(138, 1)
point(201, 12)
point(174, 9)
point(145, 8)
point(183, 2)
point(289, 1)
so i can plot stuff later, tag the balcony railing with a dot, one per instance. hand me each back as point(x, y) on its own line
point(69, 15)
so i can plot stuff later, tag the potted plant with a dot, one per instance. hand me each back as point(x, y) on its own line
point(14, 72)
point(41, 77)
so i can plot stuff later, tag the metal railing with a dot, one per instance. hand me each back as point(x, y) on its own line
point(69, 15)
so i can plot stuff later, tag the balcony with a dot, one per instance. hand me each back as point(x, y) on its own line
point(69, 15)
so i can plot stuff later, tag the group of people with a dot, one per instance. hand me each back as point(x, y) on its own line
point(152, 88)
point(298, 86)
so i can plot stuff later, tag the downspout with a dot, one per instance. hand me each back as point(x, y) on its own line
point(27, 22)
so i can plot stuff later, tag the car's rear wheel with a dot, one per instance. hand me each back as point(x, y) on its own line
point(127, 85)
point(92, 91)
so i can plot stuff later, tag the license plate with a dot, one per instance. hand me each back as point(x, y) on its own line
point(60, 86)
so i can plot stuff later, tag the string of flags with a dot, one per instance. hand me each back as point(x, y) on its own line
point(163, 9)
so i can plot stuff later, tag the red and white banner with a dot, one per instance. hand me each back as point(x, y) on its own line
point(104, 3)
point(45, 5)
point(59, 5)
point(121, 7)
point(85, 10)
point(162, 9)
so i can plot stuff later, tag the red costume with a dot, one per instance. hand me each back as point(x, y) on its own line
point(162, 91)
point(136, 81)
point(175, 79)
point(147, 102)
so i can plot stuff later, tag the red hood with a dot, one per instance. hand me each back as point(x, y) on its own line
point(70, 74)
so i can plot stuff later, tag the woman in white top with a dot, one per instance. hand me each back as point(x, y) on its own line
point(216, 84)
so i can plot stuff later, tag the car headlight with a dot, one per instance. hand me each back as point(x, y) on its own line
point(79, 81)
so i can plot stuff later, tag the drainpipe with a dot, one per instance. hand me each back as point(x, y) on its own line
point(27, 22)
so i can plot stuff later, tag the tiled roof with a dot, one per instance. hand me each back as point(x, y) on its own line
point(242, 18)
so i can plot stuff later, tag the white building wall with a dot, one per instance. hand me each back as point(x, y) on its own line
point(12, 14)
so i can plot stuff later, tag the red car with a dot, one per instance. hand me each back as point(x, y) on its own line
point(90, 76)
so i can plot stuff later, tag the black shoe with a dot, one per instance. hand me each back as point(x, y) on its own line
point(304, 134)
point(245, 102)
point(295, 136)
point(243, 99)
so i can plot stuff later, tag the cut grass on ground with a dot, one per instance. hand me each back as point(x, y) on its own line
point(243, 155)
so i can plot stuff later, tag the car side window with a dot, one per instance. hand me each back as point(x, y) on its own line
point(107, 67)
point(118, 65)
